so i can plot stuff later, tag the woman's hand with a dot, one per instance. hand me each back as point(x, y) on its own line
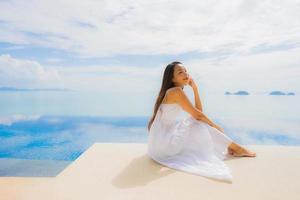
point(192, 83)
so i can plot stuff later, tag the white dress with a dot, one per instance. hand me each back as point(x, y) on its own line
point(188, 144)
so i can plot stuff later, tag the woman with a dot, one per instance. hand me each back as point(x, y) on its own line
point(194, 144)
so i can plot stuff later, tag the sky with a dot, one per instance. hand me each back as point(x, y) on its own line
point(123, 46)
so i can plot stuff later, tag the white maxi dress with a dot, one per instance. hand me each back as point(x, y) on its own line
point(188, 144)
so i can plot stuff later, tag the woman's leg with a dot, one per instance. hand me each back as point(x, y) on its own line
point(220, 141)
point(232, 147)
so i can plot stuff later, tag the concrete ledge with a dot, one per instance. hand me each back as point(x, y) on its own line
point(124, 171)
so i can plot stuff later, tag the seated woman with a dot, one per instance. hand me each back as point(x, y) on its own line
point(194, 144)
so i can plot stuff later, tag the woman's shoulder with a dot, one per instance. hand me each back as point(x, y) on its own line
point(174, 89)
point(171, 95)
point(174, 92)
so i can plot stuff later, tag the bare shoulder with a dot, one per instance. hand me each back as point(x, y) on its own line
point(174, 93)
point(174, 89)
point(177, 95)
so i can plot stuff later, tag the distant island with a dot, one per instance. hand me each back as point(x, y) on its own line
point(290, 93)
point(33, 89)
point(281, 93)
point(241, 92)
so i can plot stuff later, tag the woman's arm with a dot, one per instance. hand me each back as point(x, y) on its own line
point(205, 119)
point(198, 103)
point(187, 106)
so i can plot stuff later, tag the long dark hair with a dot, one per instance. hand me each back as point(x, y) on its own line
point(166, 84)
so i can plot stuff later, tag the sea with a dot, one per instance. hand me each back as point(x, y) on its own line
point(42, 132)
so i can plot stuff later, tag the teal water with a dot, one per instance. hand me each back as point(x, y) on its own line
point(62, 125)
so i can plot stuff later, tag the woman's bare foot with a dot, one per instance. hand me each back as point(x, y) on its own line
point(239, 151)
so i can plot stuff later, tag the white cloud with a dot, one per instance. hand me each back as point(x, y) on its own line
point(54, 60)
point(24, 73)
point(104, 28)
point(256, 73)
point(16, 47)
point(117, 78)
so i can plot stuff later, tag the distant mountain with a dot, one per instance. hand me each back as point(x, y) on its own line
point(281, 93)
point(237, 93)
point(290, 93)
point(34, 89)
point(241, 93)
point(277, 93)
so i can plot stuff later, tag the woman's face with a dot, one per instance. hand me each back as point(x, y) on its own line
point(180, 76)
